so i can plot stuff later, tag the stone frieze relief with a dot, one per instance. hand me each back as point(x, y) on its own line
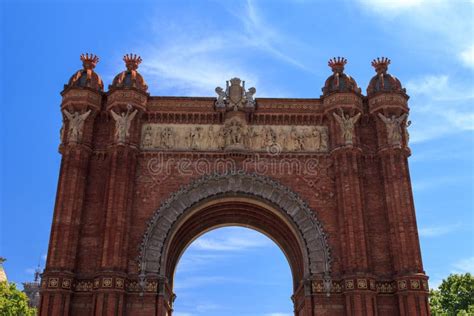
point(234, 135)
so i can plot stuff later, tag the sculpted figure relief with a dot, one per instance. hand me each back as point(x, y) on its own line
point(269, 139)
point(167, 140)
point(148, 137)
point(195, 136)
point(221, 138)
point(316, 138)
point(76, 124)
point(347, 124)
point(252, 137)
point(324, 141)
point(298, 139)
point(122, 124)
point(234, 134)
point(394, 128)
point(210, 137)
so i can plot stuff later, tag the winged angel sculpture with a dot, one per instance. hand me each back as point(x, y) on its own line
point(76, 124)
point(393, 125)
point(347, 124)
point(122, 124)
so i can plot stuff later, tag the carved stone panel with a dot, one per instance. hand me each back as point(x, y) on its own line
point(208, 137)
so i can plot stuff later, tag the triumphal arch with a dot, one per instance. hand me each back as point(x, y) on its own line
point(142, 176)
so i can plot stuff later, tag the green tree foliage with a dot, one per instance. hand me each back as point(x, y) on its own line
point(14, 302)
point(454, 297)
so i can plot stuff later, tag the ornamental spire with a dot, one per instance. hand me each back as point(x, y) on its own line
point(337, 64)
point(381, 64)
point(132, 61)
point(89, 61)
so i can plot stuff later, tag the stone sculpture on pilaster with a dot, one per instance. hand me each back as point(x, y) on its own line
point(122, 124)
point(347, 126)
point(76, 124)
point(395, 128)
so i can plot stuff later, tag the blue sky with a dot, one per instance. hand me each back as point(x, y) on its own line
point(281, 48)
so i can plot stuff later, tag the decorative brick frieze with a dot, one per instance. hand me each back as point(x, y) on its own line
point(118, 283)
point(53, 283)
point(84, 286)
point(419, 284)
point(57, 282)
point(119, 97)
point(342, 100)
point(81, 97)
point(369, 284)
point(387, 101)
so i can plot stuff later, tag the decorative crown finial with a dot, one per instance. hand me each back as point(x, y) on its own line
point(89, 61)
point(132, 61)
point(337, 64)
point(381, 64)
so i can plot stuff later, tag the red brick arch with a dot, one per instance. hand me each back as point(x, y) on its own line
point(242, 200)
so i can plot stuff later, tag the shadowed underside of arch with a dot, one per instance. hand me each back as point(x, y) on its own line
point(235, 199)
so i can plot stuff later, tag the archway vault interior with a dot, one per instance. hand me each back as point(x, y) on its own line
point(239, 200)
point(235, 211)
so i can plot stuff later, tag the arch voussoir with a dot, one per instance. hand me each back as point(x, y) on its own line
point(313, 240)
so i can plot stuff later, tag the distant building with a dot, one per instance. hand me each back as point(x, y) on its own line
point(3, 275)
point(32, 289)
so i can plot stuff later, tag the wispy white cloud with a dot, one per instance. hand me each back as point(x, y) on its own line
point(426, 184)
point(439, 230)
point(440, 88)
point(193, 58)
point(440, 103)
point(219, 247)
point(231, 243)
point(440, 106)
point(206, 307)
point(461, 266)
point(464, 265)
point(199, 309)
point(445, 24)
point(200, 281)
point(390, 6)
point(467, 56)
point(261, 35)
point(451, 151)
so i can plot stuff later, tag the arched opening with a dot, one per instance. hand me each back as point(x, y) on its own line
point(233, 271)
point(242, 200)
point(234, 211)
